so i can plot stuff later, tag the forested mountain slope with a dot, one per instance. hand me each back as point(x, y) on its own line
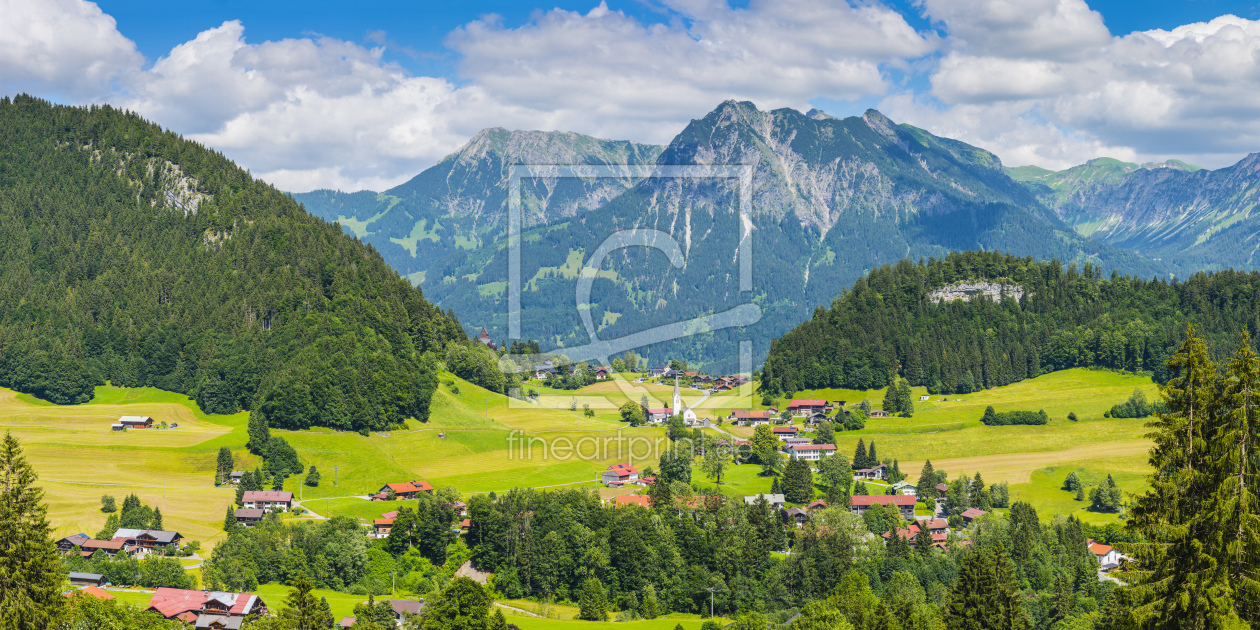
point(830, 199)
point(131, 255)
point(1188, 217)
point(891, 323)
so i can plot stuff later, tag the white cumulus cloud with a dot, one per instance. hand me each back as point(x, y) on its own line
point(65, 48)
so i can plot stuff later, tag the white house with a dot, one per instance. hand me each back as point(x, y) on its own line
point(1108, 557)
point(268, 501)
point(810, 452)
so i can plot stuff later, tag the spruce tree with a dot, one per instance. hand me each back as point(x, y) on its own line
point(859, 455)
point(301, 610)
point(229, 520)
point(30, 569)
point(593, 604)
point(156, 523)
point(258, 432)
point(926, 488)
point(223, 467)
point(923, 541)
point(891, 404)
point(872, 460)
point(798, 482)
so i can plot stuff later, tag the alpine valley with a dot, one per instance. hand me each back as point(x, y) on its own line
point(831, 199)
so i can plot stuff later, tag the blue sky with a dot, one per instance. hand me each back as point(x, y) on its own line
point(355, 95)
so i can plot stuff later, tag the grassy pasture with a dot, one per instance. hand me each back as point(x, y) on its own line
point(79, 458)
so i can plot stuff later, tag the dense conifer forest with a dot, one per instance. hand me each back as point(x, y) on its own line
point(131, 255)
point(888, 324)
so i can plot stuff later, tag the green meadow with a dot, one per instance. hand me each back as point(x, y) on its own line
point(478, 441)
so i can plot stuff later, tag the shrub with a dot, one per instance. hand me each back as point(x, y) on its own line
point(1005, 418)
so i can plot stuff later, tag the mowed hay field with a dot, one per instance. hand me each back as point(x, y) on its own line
point(476, 441)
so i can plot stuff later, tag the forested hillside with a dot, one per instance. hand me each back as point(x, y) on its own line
point(133, 256)
point(888, 323)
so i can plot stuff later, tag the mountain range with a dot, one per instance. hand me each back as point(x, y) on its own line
point(830, 198)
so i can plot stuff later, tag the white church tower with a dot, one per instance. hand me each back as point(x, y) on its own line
point(688, 415)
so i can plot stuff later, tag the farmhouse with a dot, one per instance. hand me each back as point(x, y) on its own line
point(404, 607)
point(658, 370)
point(972, 514)
point(382, 526)
point(403, 490)
point(110, 547)
point(145, 539)
point(797, 515)
point(807, 407)
point(70, 542)
point(620, 474)
point(879, 413)
point(748, 417)
point(878, 472)
point(235, 476)
point(818, 505)
point(795, 441)
point(818, 417)
point(860, 503)
point(267, 500)
point(136, 422)
point(1108, 557)
point(87, 579)
point(784, 432)
point(248, 517)
point(811, 452)
point(600, 374)
point(192, 606)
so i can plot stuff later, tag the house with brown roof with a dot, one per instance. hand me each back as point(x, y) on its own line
point(860, 503)
point(818, 505)
point(784, 432)
point(972, 514)
point(110, 547)
point(146, 539)
point(749, 417)
point(797, 515)
point(268, 500)
point(879, 413)
point(70, 542)
point(403, 608)
point(136, 422)
point(878, 472)
point(248, 517)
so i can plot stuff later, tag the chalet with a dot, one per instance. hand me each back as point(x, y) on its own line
point(878, 472)
point(659, 414)
point(783, 432)
point(620, 474)
point(796, 441)
point(775, 500)
point(235, 476)
point(905, 487)
point(934, 525)
point(136, 422)
point(807, 407)
point(748, 417)
point(859, 503)
point(403, 607)
point(703, 379)
point(346, 622)
point(218, 622)
point(190, 606)
point(878, 413)
point(811, 452)
point(797, 515)
point(382, 526)
point(818, 505)
point(110, 547)
point(818, 417)
point(70, 542)
point(1108, 557)
point(459, 507)
point(393, 514)
point(87, 579)
point(972, 514)
point(268, 500)
point(406, 489)
point(600, 373)
point(942, 488)
point(631, 499)
point(839, 403)
point(248, 517)
point(658, 370)
point(145, 539)
point(722, 387)
point(544, 370)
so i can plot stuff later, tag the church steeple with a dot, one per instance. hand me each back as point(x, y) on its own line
point(677, 397)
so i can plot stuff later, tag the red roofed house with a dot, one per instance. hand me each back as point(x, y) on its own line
point(404, 490)
point(783, 432)
point(631, 499)
point(859, 503)
point(268, 500)
point(175, 603)
point(1108, 557)
point(91, 591)
point(807, 407)
point(818, 505)
point(620, 474)
point(745, 417)
point(810, 452)
point(382, 526)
